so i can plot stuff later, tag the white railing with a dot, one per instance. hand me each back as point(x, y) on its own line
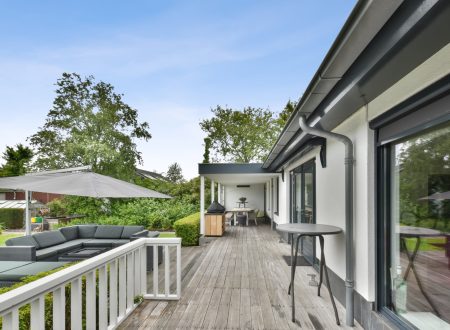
point(123, 268)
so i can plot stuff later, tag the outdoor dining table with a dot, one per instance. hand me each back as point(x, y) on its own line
point(416, 233)
point(312, 230)
point(245, 210)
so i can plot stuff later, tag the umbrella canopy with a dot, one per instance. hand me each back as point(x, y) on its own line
point(437, 196)
point(78, 183)
point(88, 184)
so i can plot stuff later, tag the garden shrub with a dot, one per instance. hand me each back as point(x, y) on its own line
point(12, 218)
point(188, 229)
point(153, 214)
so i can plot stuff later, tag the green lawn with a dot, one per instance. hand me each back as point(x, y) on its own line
point(4, 237)
point(425, 243)
point(167, 234)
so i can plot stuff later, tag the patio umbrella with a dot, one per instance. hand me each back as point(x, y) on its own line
point(439, 196)
point(79, 183)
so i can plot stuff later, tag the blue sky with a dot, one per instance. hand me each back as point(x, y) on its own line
point(173, 60)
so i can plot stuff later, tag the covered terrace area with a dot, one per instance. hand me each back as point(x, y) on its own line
point(231, 184)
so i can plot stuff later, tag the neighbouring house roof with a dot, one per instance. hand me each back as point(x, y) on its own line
point(380, 43)
point(150, 175)
point(20, 204)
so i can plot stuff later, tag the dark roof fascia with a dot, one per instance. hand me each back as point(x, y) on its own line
point(302, 150)
point(411, 31)
point(333, 52)
point(231, 168)
point(426, 96)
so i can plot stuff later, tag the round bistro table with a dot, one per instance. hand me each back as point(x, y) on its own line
point(312, 230)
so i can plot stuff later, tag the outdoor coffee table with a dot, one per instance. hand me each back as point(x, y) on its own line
point(81, 254)
point(312, 230)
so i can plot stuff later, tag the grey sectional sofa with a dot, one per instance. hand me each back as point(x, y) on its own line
point(49, 246)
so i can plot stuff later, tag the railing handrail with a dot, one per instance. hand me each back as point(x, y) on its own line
point(46, 284)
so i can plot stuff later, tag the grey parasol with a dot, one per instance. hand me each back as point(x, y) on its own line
point(78, 183)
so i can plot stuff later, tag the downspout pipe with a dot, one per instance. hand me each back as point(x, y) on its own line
point(348, 161)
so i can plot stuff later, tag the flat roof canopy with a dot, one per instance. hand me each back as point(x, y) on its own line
point(229, 173)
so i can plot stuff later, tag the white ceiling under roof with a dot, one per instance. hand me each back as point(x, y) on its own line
point(241, 178)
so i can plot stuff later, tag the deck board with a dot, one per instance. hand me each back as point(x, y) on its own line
point(238, 281)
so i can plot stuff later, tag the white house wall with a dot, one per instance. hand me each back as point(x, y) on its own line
point(330, 207)
point(254, 195)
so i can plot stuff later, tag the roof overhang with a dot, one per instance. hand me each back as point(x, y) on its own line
point(229, 173)
point(379, 44)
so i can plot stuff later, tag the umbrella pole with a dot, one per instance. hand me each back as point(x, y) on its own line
point(27, 213)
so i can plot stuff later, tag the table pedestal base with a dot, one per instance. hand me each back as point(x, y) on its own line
point(322, 267)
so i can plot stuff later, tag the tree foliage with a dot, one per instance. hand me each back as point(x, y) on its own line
point(424, 169)
point(89, 124)
point(174, 173)
point(286, 113)
point(240, 136)
point(17, 160)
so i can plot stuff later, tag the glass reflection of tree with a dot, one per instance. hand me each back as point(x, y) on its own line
point(424, 164)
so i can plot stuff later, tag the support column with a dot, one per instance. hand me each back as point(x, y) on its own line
point(219, 193)
point(27, 213)
point(213, 190)
point(202, 205)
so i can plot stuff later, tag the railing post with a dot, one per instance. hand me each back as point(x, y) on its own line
point(130, 281)
point(91, 296)
point(113, 293)
point(11, 320)
point(166, 271)
point(143, 253)
point(38, 313)
point(137, 271)
point(179, 270)
point(155, 270)
point(122, 286)
point(102, 298)
point(59, 308)
point(75, 304)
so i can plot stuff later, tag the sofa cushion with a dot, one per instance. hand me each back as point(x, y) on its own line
point(86, 231)
point(70, 232)
point(23, 241)
point(108, 232)
point(71, 245)
point(130, 230)
point(47, 253)
point(49, 238)
point(99, 242)
point(119, 242)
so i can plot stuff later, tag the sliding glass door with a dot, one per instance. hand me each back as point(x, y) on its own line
point(303, 203)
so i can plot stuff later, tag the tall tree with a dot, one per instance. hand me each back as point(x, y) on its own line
point(16, 159)
point(174, 173)
point(240, 136)
point(89, 124)
point(286, 113)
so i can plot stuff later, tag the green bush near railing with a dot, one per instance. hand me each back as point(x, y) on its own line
point(188, 229)
point(25, 311)
point(11, 218)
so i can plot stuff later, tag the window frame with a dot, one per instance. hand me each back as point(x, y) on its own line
point(383, 180)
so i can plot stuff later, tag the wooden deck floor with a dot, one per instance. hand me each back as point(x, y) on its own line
point(239, 281)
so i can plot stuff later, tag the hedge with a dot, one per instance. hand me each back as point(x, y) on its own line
point(188, 229)
point(25, 310)
point(11, 218)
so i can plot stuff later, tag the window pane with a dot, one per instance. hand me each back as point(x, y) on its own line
point(420, 224)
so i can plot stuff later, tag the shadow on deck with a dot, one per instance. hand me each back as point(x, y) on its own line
point(238, 281)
